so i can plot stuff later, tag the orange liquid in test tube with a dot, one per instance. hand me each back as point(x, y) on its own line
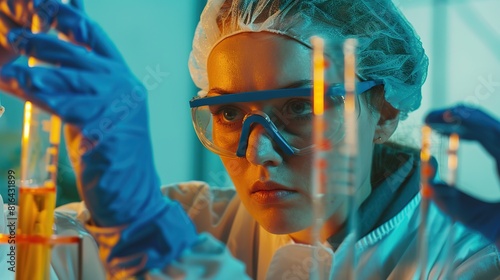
point(37, 195)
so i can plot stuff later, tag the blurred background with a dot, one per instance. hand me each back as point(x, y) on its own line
point(461, 37)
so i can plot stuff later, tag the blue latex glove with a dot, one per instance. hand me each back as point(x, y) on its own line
point(18, 14)
point(6, 52)
point(105, 110)
point(470, 124)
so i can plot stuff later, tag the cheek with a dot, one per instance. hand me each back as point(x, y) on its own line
point(368, 120)
point(299, 172)
point(365, 138)
point(367, 129)
point(235, 167)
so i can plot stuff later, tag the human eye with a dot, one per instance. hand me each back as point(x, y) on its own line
point(227, 115)
point(298, 109)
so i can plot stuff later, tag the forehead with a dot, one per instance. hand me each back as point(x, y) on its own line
point(258, 61)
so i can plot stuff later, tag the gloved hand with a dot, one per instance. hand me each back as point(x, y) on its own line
point(6, 52)
point(105, 110)
point(18, 14)
point(470, 124)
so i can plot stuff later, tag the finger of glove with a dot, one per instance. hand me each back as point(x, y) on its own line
point(470, 124)
point(72, 95)
point(473, 213)
point(19, 11)
point(34, 80)
point(80, 29)
point(78, 4)
point(6, 24)
point(6, 52)
point(55, 51)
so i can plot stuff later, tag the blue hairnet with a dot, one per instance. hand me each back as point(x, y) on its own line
point(389, 48)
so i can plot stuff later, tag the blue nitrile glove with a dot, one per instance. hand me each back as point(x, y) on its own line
point(6, 52)
point(470, 124)
point(105, 110)
point(18, 14)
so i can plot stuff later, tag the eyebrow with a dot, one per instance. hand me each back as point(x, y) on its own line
point(297, 84)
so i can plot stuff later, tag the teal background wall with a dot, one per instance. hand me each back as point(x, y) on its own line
point(155, 37)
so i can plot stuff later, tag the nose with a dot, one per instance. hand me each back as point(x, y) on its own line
point(261, 149)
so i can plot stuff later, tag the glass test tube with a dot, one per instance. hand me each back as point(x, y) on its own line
point(350, 150)
point(446, 150)
point(426, 172)
point(320, 164)
point(40, 147)
point(39, 157)
point(334, 167)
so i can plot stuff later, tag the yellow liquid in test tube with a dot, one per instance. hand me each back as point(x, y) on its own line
point(37, 201)
point(36, 217)
point(37, 195)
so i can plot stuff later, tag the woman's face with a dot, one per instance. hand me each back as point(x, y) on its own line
point(275, 187)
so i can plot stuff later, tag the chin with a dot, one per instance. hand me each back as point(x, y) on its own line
point(277, 222)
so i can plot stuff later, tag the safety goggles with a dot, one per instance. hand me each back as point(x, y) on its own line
point(223, 123)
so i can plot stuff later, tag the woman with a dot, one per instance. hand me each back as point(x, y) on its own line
point(254, 46)
point(248, 47)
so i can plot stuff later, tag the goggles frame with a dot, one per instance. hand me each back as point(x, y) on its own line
point(252, 96)
point(262, 118)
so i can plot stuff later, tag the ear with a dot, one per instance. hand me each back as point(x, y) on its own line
point(385, 129)
point(387, 124)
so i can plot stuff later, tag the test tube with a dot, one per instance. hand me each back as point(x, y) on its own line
point(320, 164)
point(426, 172)
point(350, 151)
point(448, 162)
point(39, 155)
point(446, 151)
point(37, 195)
point(335, 157)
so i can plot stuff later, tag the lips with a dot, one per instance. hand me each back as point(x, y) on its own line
point(271, 193)
point(268, 186)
